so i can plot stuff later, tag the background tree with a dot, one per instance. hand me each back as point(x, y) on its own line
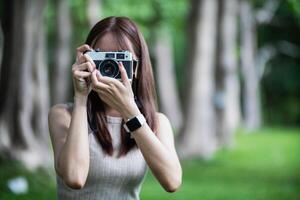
point(253, 58)
point(198, 70)
point(165, 76)
point(252, 109)
point(60, 77)
point(199, 135)
point(94, 8)
point(165, 73)
point(227, 94)
point(23, 125)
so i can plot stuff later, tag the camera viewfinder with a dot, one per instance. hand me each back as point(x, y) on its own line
point(110, 55)
point(120, 56)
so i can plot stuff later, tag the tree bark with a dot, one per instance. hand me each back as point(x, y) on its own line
point(41, 88)
point(228, 88)
point(165, 74)
point(19, 139)
point(251, 97)
point(94, 8)
point(61, 76)
point(1, 45)
point(198, 135)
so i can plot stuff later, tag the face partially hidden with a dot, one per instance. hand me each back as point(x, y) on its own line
point(109, 43)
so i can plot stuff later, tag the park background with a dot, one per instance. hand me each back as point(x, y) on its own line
point(227, 76)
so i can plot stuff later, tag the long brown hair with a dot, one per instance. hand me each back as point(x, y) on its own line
point(143, 86)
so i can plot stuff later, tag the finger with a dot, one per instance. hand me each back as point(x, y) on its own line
point(124, 76)
point(83, 48)
point(110, 81)
point(97, 84)
point(107, 80)
point(98, 75)
point(81, 74)
point(80, 50)
point(100, 78)
point(103, 79)
point(87, 66)
point(81, 59)
point(89, 59)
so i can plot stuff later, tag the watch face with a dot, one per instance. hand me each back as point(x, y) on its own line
point(133, 124)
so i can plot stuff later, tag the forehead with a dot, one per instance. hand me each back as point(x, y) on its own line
point(109, 42)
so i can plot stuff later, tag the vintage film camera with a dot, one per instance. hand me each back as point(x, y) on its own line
point(107, 63)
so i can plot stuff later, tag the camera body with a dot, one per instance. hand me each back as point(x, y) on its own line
point(107, 62)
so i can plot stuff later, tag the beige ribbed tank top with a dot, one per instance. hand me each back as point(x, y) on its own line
point(109, 177)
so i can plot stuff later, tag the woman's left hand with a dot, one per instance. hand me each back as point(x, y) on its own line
point(114, 93)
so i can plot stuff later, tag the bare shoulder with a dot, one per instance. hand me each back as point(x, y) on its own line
point(162, 119)
point(165, 132)
point(164, 124)
point(59, 119)
point(59, 110)
point(59, 115)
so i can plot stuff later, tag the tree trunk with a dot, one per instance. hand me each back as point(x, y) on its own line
point(61, 76)
point(1, 45)
point(94, 8)
point(227, 83)
point(198, 136)
point(42, 97)
point(251, 96)
point(165, 74)
point(19, 138)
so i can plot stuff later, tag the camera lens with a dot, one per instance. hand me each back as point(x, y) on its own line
point(109, 68)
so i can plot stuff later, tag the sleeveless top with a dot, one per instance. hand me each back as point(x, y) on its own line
point(109, 177)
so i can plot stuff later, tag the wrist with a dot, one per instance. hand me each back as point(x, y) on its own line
point(134, 124)
point(80, 100)
point(130, 111)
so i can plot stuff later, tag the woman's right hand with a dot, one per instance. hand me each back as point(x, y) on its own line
point(82, 70)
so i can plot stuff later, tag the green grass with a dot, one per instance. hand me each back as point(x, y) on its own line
point(263, 165)
point(41, 182)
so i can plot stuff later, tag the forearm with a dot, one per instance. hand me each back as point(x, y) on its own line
point(74, 156)
point(162, 161)
point(163, 164)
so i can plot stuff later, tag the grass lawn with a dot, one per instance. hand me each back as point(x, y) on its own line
point(263, 165)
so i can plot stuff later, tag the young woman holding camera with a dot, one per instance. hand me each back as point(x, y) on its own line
point(94, 156)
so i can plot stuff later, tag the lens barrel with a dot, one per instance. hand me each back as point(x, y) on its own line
point(109, 67)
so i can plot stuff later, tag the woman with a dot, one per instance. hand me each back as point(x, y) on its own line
point(94, 157)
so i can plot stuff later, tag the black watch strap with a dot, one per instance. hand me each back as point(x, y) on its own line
point(134, 123)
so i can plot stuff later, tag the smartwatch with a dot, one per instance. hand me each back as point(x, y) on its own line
point(134, 123)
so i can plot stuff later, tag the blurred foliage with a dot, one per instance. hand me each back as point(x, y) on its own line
point(264, 165)
point(280, 83)
point(295, 7)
